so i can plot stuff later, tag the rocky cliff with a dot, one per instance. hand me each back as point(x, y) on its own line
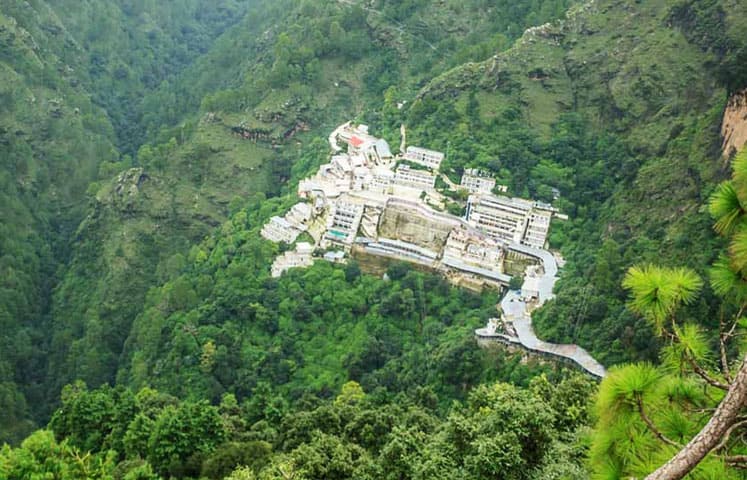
point(734, 125)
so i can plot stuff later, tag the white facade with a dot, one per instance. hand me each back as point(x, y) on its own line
point(538, 227)
point(382, 180)
point(410, 177)
point(502, 217)
point(300, 257)
point(477, 181)
point(530, 289)
point(344, 220)
point(279, 229)
point(429, 158)
point(510, 219)
point(299, 215)
point(473, 248)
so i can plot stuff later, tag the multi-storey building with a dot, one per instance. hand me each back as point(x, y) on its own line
point(382, 179)
point(471, 247)
point(343, 221)
point(279, 229)
point(538, 227)
point(299, 215)
point(429, 158)
point(501, 217)
point(410, 177)
point(477, 181)
point(510, 219)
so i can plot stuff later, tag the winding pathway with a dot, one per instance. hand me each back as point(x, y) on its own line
point(515, 311)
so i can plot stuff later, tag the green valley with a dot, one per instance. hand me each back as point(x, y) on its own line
point(145, 146)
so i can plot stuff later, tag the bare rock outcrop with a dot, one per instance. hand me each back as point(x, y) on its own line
point(734, 125)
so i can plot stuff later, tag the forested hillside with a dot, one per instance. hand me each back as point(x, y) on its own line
point(87, 82)
point(143, 144)
point(49, 129)
point(251, 139)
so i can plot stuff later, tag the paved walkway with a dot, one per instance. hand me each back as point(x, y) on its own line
point(515, 310)
point(333, 137)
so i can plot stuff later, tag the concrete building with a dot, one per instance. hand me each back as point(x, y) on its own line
point(375, 150)
point(278, 230)
point(477, 181)
point(530, 289)
point(538, 226)
point(429, 158)
point(300, 215)
point(381, 180)
point(471, 247)
point(343, 221)
point(336, 256)
point(410, 177)
point(399, 249)
point(510, 219)
point(501, 217)
point(300, 257)
point(342, 165)
point(362, 178)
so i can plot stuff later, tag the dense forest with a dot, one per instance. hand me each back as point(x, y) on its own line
point(143, 144)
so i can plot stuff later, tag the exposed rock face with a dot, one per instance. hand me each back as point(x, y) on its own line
point(734, 126)
point(400, 224)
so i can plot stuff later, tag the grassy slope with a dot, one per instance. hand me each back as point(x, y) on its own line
point(631, 79)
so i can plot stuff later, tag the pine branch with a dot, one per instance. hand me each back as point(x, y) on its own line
point(728, 433)
point(700, 371)
point(650, 424)
point(737, 461)
point(722, 339)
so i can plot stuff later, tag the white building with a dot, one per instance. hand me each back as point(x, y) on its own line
point(471, 247)
point(382, 180)
point(538, 227)
point(429, 158)
point(375, 150)
point(477, 181)
point(336, 256)
point(362, 178)
point(410, 177)
point(510, 219)
point(300, 257)
point(300, 215)
point(342, 166)
point(344, 220)
point(278, 230)
point(501, 217)
point(530, 289)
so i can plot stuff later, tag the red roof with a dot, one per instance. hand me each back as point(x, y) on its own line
point(356, 142)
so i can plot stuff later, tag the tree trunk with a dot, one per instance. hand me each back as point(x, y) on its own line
point(724, 417)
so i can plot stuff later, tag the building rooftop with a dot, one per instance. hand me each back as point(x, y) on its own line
point(280, 221)
point(383, 148)
point(487, 199)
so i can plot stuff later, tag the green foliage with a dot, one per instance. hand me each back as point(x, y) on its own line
point(500, 430)
point(647, 413)
point(41, 456)
point(658, 292)
point(147, 269)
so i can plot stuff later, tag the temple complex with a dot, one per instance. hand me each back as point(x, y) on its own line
point(366, 201)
